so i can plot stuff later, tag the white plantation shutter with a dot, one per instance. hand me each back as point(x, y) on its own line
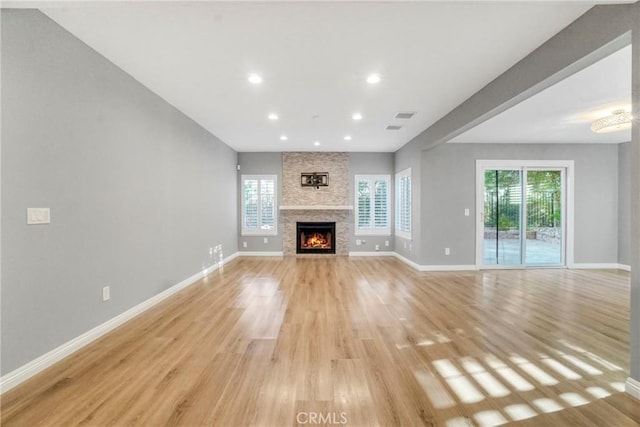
point(381, 204)
point(403, 204)
point(259, 214)
point(363, 204)
point(250, 207)
point(372, 204)
point(267, 204)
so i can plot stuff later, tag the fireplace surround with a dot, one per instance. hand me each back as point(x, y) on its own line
point(315, 237)
point(315, 204)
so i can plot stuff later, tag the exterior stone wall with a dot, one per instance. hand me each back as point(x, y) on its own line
point(549, 234)
point(544, 234)
point(335, 194)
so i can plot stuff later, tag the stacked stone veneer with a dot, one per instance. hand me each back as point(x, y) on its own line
point(335, 194)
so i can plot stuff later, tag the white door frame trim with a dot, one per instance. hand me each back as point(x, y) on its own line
point(568, 211)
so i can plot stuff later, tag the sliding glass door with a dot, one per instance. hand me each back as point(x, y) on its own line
point(521, 215)
point(502, 214)
point(544, 217)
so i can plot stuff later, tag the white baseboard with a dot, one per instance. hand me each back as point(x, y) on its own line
point(408, 262)
point(600, 266)
point(376, 253)
point(23, 373)
point(258, 253)
point(457, 267)
point(632, 387)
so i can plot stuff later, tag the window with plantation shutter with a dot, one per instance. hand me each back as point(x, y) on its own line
point(372, 204)
point(259, 215)
point(403, 204)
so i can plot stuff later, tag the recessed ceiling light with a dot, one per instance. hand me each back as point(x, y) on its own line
point(256, 79)
point(347, 137)
point(283, 137)
point(317, 143)
point(357, 116)
point(373, 79)
point(273, 116)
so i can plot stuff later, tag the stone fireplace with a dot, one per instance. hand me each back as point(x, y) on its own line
point(319, 204)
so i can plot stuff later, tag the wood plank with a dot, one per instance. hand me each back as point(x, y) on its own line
point(275, 341)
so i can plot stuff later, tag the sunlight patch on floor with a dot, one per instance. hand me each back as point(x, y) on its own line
point(541, 376)
point(573, 399)
point(618, 386)
point(434, 390)
point(594, 357)
point(598, 392)
point(489, 418)
point(547, 405)
point(488, 382)
point(508, 374)
point(561, 369)
point(582, 365)
point(520, 411)
point(458, 422)
point(460, 385)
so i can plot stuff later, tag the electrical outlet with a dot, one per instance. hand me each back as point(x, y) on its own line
point(447, 251)
point(38, 216)
point(386, 243)
point(244, 244)
point(466, 212)
point(106, 293)
point(358, 242)
point(266, 240)
point(377, 247)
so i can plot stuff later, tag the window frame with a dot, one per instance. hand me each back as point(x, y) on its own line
point(399, 177)
point(259, 231)
point(372, 231)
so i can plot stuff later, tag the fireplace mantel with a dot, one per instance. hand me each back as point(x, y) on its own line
point(316, 208)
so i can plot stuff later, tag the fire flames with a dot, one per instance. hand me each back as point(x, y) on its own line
point(316, 240)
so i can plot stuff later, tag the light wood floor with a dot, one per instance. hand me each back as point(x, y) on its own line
point(356, 342)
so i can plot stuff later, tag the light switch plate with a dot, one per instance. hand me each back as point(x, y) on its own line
point(38, 216)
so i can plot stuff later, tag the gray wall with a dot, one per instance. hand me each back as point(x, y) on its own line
point(261, 164)
point(624, 203)
point(409, 156)
point(138, 192)
point(634, 197)
point(448, 186)
point(371, 164)
point(271, 163)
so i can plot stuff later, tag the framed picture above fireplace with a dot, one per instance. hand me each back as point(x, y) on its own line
point(314, 179)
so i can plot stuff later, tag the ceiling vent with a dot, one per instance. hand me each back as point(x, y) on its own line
point(404, 115)
point(393, 127)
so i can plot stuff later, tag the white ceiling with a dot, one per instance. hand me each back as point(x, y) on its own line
point(314, 57)
point(563, 113)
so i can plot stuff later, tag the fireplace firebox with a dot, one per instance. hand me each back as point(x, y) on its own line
point(316, 238)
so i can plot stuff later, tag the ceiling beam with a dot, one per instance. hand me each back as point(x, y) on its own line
point(596, 34)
